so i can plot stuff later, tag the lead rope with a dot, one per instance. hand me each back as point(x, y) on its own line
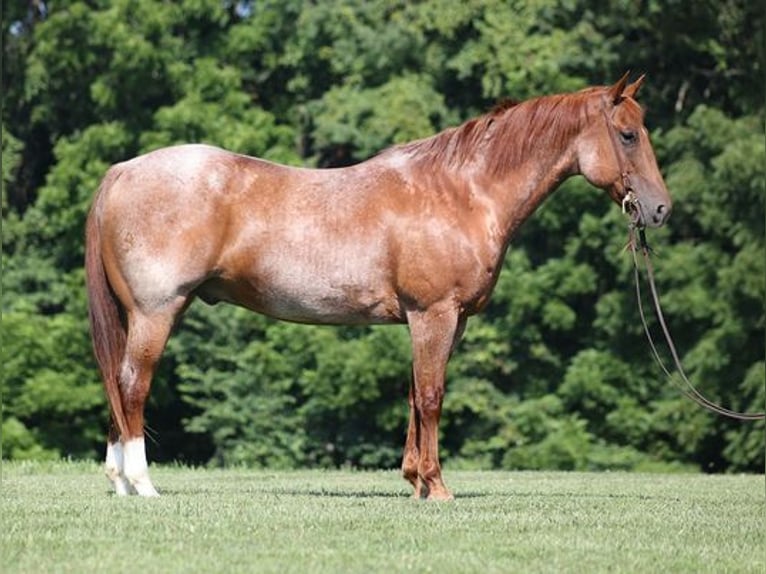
point(687, 389)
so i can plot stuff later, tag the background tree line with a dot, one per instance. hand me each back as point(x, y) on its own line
point(555, 373)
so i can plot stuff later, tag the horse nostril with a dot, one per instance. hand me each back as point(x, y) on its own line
point(661, 214)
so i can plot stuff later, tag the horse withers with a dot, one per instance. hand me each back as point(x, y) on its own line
point(414, 235)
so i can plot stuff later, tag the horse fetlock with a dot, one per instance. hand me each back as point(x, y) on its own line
point(118, 481)
point(421, 490)
point(430, 471)
point(433, 486)
point(122, 487)
point(112, 473)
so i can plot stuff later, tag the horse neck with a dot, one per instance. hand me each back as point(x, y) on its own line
point(526, 158)
point(509, 161)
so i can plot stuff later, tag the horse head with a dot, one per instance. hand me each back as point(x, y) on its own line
point(615, 153)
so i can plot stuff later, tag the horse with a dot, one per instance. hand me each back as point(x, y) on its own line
point(415, 235)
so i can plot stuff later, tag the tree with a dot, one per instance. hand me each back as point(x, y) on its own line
point(554, 374)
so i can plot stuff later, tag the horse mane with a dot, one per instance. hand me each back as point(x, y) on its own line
point(507, 134)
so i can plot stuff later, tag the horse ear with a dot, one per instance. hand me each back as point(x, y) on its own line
point(615, 92)
point(632, 89)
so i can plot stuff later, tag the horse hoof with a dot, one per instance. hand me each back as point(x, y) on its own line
point(440, 496)
point(145, 488)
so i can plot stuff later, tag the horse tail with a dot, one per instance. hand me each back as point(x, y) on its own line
point(105, 312)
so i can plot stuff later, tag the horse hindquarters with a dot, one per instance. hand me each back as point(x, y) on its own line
point(127, 344)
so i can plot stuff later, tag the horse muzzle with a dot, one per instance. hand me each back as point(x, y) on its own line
point(645, 214)
point(645, 206)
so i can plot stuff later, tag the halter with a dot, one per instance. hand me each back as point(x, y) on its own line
point(629, 199)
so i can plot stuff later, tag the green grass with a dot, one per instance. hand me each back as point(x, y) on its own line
point(59, 517)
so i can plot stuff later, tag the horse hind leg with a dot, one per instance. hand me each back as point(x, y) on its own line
point(115, 464)
point(147, 335)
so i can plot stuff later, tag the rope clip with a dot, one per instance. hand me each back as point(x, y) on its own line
point(628, 200)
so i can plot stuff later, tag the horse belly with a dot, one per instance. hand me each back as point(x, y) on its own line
point(311, 290)
point(342, 305)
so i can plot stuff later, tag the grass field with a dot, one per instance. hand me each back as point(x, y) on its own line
point(59, 517)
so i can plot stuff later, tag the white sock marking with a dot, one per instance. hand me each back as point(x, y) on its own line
point(136, 469)
point(114, 467)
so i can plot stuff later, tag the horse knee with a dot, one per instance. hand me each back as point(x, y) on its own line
point(429, 401)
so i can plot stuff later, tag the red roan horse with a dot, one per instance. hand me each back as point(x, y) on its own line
point(414, 235)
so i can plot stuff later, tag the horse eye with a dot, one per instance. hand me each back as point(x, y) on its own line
point(628, 136)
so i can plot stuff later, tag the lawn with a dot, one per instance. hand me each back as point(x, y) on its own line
point(59, 517)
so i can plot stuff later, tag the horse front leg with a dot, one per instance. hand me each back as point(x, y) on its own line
point(434, 333)
point(411, 457)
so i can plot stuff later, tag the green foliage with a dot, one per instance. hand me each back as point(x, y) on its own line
point(11, 158)
point(554, 374)
point(52, 399)
point(516, 53)
point(313, 409)
point(215, 110)
point(368, 120)
point(345, 41)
